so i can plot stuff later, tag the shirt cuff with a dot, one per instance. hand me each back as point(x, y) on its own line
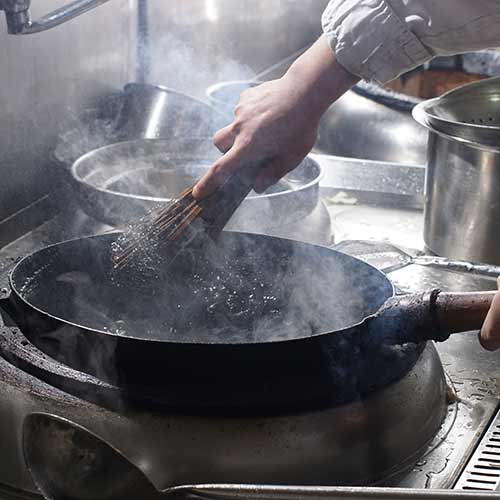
point(370, 40)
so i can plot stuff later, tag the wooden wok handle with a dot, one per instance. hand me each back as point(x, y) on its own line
point(462, 312)
point(433, 315)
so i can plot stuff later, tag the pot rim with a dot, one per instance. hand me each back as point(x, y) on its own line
point(421, 116)
point(77, 177)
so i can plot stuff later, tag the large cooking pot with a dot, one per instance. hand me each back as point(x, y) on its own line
point(151, 111)
point(462, 212)
point(187, 126)
point(121, 182)
point(139, 111)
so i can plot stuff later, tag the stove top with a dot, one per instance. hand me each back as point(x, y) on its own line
point(473, 374)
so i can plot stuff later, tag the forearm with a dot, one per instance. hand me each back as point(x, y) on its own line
point(319, 78)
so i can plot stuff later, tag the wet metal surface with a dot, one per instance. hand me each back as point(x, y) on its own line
point(473, 373)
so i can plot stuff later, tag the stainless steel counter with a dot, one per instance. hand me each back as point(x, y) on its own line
point(474, 374)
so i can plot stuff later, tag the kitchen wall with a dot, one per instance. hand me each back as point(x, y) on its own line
point(46, 76)
point(195, 43)
point(192, 44)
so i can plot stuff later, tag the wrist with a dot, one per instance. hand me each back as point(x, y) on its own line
point(318, 78)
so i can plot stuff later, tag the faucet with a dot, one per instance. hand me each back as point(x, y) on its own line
point(19, 20)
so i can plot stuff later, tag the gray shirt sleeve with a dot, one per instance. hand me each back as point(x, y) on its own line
point(380, 39)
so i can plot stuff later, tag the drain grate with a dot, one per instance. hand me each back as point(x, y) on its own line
point(482, 472)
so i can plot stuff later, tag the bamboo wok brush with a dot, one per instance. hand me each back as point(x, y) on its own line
point(177, 224)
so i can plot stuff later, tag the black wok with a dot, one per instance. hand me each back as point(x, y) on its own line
point(255, 320)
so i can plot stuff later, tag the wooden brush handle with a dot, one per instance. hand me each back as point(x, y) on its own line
point(219, 207)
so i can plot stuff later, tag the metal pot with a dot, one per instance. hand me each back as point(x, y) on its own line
point(152, 111)
point(120, 182)
point(462, 213)
point(144, 111)
point(140, 111)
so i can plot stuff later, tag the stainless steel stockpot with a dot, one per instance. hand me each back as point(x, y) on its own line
point(462, 196)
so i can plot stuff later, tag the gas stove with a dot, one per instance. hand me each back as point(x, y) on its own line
point(462, 455)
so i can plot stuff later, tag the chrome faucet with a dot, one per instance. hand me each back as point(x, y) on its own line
point(19, 20)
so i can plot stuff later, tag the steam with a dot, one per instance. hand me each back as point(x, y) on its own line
point(239, 289)
point(178, 65)
point(264, 300)
point(84, 132)
point(226, 294)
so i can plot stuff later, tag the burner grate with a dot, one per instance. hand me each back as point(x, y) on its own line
point(482, 472)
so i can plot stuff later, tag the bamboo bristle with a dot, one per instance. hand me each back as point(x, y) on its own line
point(169, 223)
point(173, 221)
point(185, 223)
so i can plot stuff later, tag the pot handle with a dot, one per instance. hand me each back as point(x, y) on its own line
point(433, 315)
point(462, 312)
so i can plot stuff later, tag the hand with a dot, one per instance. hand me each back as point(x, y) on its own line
point(276, 124)
point(490, 332)
point(273, 127)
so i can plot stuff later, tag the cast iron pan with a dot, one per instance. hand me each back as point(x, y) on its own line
point(252, 320)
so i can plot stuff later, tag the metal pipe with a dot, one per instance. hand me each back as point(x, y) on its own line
point(19, 20)
point(143, 66)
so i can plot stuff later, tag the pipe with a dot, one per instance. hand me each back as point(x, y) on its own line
point(19, 20)
point(143, 66)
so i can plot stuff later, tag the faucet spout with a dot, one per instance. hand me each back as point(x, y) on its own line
point(19, 21)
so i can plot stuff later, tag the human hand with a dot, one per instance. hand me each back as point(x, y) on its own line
point(489, 336)
point(273, 128)
point(276, 123)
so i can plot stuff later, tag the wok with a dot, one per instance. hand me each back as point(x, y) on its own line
point(252, 321)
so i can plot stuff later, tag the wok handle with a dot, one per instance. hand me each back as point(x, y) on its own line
point(462, 312)
point(433, 315)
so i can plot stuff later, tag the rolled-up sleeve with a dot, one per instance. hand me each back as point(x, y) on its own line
point(380, 39)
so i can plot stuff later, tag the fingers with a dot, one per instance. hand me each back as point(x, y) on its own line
point(218, 173)
point(489, 336)
point(273, 170)
point(224, 138)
